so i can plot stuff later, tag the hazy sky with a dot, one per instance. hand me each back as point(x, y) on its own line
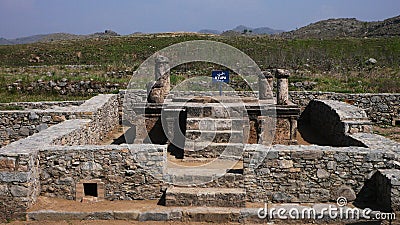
point(27, 17)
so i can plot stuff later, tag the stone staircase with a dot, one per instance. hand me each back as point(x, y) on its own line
point(215, 135)
point(213, 130)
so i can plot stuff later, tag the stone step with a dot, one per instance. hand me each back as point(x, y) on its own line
point(228, 180)
point(203, 215)
point(199, 173)
point(196, 149)
point(207, 123)
point(215, 136)
point(207, 197)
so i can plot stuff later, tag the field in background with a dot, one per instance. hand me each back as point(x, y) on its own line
point(337, 65)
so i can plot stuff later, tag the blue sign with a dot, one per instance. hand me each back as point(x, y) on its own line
point(220, 76)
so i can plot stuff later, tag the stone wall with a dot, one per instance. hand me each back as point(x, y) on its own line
point(65, 86)
point(388, 186)
point(19, 169)
point(40, 105)
point(17, 124)
point(104, 115)
point(19, 161)
point(310, 173)
point(338, 121)
point(380, 108)
point(117, 166)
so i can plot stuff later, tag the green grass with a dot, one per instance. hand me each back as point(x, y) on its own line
point(11, 107)
point(23, 97)
point(324, 55)
point(336, 65)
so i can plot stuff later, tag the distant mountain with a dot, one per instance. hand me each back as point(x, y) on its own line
point(44, 38)
point(4, 41)
point(241, 29)
point(208, 31)
point(260, 30)
point(54, 37)
point(231, 33)
point(347, 27)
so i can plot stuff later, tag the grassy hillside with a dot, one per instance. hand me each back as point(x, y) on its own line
point(324, 55)
point(347, 27)
point(334, 64)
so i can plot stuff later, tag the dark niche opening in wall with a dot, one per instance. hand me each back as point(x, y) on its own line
point(90, 189)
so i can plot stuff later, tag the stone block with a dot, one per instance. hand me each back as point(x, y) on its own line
point(126, 215)
point(20, 177)
point(307, 154)
point(4, 190)
point(19, 191)
point(51, 215)
point(58, 119)
point(285, 164)
point(24, 131)
point(321, 173)
point(346, 192)
point(7, 164)
point(153, 216)
point(210, 197)
point(46, 119)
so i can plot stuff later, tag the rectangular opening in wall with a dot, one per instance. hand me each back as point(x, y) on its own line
point(90, 189)
point(397, 122)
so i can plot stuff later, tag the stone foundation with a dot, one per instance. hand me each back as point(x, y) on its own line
point(57, 161)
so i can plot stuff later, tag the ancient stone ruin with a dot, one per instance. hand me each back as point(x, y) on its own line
point(203, 157)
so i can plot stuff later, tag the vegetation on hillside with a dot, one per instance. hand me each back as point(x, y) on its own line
point(335, 64)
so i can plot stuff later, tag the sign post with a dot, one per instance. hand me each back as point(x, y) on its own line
point(220, 76)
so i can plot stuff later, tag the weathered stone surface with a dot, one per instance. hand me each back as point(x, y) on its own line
point(41, 127)
point(7, 164)
point(371, 103)
point(20, 177)
point(51, 215)
point(33, 116)
point(58, 118)
point(19, 191)
point(4, 190)
point(24, 131)
point(309, 180)
point(340, 120)
point(265, 83)
point(282, 94)
point(285, 164)
point(153, 216)
point(126, 215)
point(308, 154)
point(18, 125)
point(321, 173)
point(161, 87)
point(220, 197)
point(345, 191)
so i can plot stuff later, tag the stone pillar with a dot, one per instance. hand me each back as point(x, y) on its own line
point(159, 90)
point(265, 85)
point(140, 131)
point(266, 130)
point(282, 94)
point(293, 130)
